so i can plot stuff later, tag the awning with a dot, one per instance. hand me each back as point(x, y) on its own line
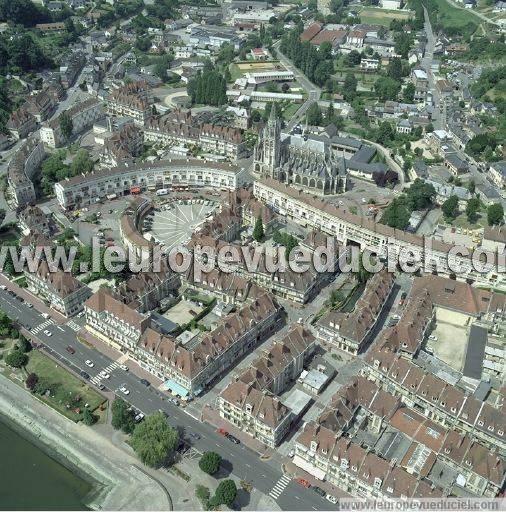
point(306, 466)
point(175, 388)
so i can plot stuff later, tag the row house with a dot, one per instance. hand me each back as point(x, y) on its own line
point(357, 470)
point(83, 115)
point(135, 178)
point(185, 130)
point(40, 105)
point(21, 123)
point(122, 146)
point(131, 234)
point(482, 471)
point(21, 170)
point(71, 67)
point(435, 399)
point(59, 289)
point(351, 331)
point(346, 227)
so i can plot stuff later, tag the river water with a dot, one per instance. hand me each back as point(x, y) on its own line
point(31, 480)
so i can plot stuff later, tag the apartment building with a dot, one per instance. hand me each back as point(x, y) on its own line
point(59, 289)
point(255, 412)
point(83, 115)
point(122, 146)
point(181, 128)
point(145, 290)
point(188, 368)
point(82, 190)
point(131, 235)
point(21, 170)
point(112, 321)
point(347, 227)
point(351, 331)
point(131, 100)
point(21, 123)
point(249, 402)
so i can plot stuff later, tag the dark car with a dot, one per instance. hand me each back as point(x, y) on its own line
point(319, 490)
point(70, 350)
point(85, 375)
point(194, 435)
point(233, 439)
point(145, 382)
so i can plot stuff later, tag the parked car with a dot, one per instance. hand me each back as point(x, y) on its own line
point(234, 439)
point(139, 417)
point(303, 482)
point(3, 287)
point(331, 498)
point(222, 432)
point(70, 350)
point(85, 375)
point(124, 390)
point(124, 367)
point(45, 315)
point(145, 382)
point(319, 490)
point(194, 435)
point(104, 374)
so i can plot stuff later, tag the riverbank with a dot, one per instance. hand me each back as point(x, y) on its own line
point(118, 484)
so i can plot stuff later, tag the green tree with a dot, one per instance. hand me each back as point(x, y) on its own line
point(408, 94)
point(122, 416)
point(16, 359)
point(350, 87)
point(31, 381)
point(396, 214)
point(495, 214)
point(450, 207)
point(154, 440)
point(82, 163)
point(225, 493)
point(210, 462)
point(66, 126)
point(472, 208)
point(88, 417)
point(258, 230)
point(420, 195)
point(394, 69)
point(314, 115)
point(387, 88)
point(471, 186)
point(23, 344)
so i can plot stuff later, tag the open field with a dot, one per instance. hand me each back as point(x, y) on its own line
point(270, 65)
point(383, 16)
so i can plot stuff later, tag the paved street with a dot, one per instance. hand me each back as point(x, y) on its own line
point(243, 462)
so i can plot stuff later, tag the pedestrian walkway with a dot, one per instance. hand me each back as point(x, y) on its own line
point(42, 326)
point(279, 487)
point(108, 369)
point(75, 327)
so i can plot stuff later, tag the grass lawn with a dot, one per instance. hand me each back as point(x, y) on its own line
point(290, 111)
point(235, 72)
point(462, 222)
point(457, 18)
point(65, 387)
point(383, 16)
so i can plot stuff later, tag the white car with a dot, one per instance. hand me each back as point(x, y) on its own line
point(331, 498)
point(28, 305)
point(3, 287)
point(104, 374)
point(124, 390)
point(124, 367)
point(432, 337)
point(47, 333)
point(89, 364)
point(45, 315)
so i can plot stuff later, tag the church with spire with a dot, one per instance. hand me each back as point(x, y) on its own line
point(302, 161)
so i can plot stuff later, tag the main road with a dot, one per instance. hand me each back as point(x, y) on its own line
point(241, 461)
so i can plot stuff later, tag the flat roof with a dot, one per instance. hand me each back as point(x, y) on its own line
point(475, 352)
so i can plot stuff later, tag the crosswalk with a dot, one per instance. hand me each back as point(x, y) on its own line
point(108, 369)
point(42, 326)
point(75, 327)
point(279, 487)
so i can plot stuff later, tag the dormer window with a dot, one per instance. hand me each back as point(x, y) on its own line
point(447, 450)
point(314, 446)
point(480, 423)
point(491, 428)
point(377, 482)
point(500, 432)
point(454, 409)
point(354, 468)
point(390, 490)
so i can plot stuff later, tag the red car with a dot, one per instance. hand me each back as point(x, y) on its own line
point(70, 350)
point(222, 432)
point(303, 482)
